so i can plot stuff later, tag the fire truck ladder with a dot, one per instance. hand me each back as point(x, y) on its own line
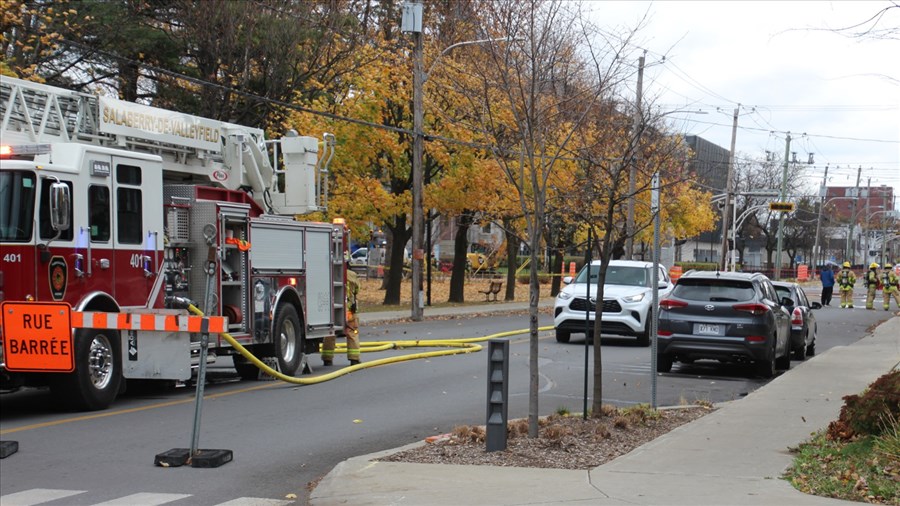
point(212, 152)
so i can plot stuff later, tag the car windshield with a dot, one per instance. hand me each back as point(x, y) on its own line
point(783, 292)
point(617, 275)
point(713, 290)
point(17, 195)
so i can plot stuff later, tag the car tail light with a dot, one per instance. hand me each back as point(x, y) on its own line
point(665, 333)
point(671, 304)
point(755, 339)
point(797, 317)
point(754, 309)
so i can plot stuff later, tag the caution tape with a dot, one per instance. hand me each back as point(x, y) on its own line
point(148, 322)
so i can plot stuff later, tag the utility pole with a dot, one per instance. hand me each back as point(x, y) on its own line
point(784, 174)
point(865, 229)
point(817, 253)
point(413, 23)
point(632, 170)
point(728, 191)
point(884, 208)
point(851, 257)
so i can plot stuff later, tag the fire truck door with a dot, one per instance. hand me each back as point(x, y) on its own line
point(92, 226)
point(137, 231)
point(54, 247)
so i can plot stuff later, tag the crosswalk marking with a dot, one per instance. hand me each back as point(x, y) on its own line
point(144, 499)
point(36, 496)
point(256, 501)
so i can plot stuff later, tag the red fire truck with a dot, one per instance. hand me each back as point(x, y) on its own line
point(125, 212)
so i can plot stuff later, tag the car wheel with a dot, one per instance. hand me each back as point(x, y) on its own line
point(643, 338)
point(766, 366)
point(562, 336)
point(811, 349)
point(784, 362)
point(800, 352)
point(663, 363)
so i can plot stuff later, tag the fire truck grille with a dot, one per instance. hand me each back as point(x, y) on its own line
point(177, 224)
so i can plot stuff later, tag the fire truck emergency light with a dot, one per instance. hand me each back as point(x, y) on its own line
point(24, 150)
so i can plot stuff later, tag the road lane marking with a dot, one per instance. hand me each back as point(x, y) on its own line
point(131, 410)
point(37, 496)
point(256, 501)
point(144, 499)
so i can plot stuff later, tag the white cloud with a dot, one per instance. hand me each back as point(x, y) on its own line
point(783, 59)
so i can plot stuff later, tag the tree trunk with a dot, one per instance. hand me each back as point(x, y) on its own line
point(128, 82)
point(557, 263)
point(512, 255)
point(460, 247)
point(534, 295)
point(399, 235)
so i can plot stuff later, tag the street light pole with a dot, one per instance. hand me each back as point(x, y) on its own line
point(412, 22)
point(817, 255)
point(787, 154)
point(851, 252)
point(632, 166)
point(728, 192)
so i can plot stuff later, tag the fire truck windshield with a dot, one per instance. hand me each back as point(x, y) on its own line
point(17, 195)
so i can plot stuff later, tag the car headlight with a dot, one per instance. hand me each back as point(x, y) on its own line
point(634, 298)
point(564, 295)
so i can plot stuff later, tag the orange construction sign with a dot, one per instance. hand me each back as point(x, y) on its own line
point(37, 336)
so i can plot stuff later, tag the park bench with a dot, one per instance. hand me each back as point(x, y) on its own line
point(493, 289)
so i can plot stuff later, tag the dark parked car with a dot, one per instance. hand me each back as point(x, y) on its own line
point(724, 316)
point(803, 319)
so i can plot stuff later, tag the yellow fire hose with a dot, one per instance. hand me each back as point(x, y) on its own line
point(459, 346)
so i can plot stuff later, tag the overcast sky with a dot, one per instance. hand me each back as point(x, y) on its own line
point(839, 97)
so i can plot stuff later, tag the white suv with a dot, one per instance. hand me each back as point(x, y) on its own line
point(627, 296)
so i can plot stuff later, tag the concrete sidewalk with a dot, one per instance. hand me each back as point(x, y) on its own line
point(732, 456)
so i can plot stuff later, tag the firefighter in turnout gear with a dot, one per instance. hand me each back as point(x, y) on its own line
point(351, 328)
point(846, 280)
point(872, 284)
point(890, 283)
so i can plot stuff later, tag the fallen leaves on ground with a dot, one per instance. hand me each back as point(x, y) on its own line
point(563, 442)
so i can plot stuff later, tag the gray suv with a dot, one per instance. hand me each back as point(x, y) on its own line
point(724, 316)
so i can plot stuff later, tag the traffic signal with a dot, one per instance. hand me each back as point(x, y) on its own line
point(784, 207)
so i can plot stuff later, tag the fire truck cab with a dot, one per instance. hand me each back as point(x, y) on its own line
point(127, 213)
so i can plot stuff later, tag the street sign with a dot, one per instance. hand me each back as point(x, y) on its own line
point(784, 207)
point(37, 336)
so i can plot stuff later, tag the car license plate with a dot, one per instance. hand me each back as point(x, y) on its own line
point(709, 329)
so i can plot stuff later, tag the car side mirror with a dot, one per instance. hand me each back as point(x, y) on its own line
point(663, 284)
point(567, 280)
point(816, 305)
point(785, 301)
point(60, 202)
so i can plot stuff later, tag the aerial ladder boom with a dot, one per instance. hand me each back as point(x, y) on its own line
point(204, 150)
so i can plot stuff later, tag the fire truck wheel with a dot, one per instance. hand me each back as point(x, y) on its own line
point(288, 339)
point(98, 372)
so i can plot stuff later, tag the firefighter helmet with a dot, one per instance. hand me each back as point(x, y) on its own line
point(888, 266)
point(846, 264)
point(873, 265)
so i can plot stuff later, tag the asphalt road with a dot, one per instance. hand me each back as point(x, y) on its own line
point(285, 436)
